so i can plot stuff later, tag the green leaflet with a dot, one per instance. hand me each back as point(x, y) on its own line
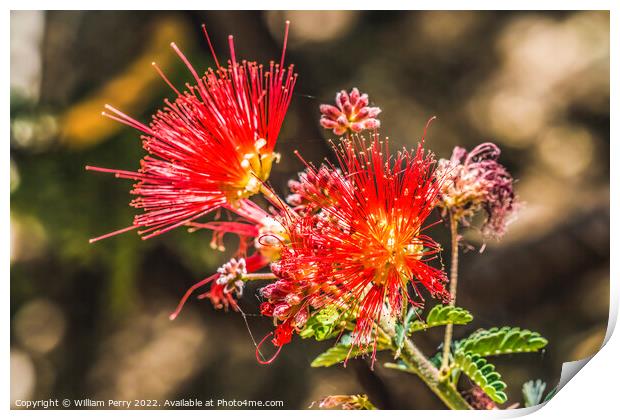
point(533, 392)
point(323, 325)
point(442, 315)
point(400, 365)
point(339, 352)
point(482, 374)
point(551, 394)
point(402, 328)
point(503, 340)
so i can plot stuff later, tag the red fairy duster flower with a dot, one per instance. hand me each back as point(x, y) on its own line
point(351, 113)
point(211, 146)
point(476, 181)
point(369, 243)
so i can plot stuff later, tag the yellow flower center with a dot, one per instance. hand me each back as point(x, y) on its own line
point(257, 167)
point(389, 248)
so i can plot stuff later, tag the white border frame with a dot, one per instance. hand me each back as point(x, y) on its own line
point(593, 393)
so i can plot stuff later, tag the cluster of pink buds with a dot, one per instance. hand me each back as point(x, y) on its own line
point(313, 189)
point(231, 276)
point(283, 299)
point(290, 299)
point(228, 286)
point(284, 302)
point(351, 113)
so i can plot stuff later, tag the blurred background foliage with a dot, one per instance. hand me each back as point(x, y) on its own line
point(90, 321)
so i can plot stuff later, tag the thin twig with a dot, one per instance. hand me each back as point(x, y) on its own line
point(454, 272)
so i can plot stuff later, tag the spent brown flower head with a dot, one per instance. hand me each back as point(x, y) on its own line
point(474, 182)
point(345, 402)
point(476, 397)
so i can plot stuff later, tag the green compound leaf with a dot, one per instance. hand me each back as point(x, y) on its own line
point(482, 374)
point(533, 392)
point(503, 340)
point(323, 325)
point(442, 315)
point(402, 329)
point(340, 351)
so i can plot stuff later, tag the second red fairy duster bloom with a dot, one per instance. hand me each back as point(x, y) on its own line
point(211, 146)
point(368, 242)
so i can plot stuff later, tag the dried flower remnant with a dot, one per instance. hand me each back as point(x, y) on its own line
point(351, 113)
point(475, 181)
point(227, 284)
point(231, 276)
point(477, 398)
point(367, 243)
point(221, 297)
point(345, 402)
point(212, 146)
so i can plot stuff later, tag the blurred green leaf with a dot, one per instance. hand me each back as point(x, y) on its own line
point(551, 394)
point(533, 392)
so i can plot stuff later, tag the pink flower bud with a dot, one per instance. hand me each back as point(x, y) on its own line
point(351, 113)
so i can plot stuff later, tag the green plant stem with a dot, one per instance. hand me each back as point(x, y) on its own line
point(421, 366)
point(454, 273)
point(259, 276)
